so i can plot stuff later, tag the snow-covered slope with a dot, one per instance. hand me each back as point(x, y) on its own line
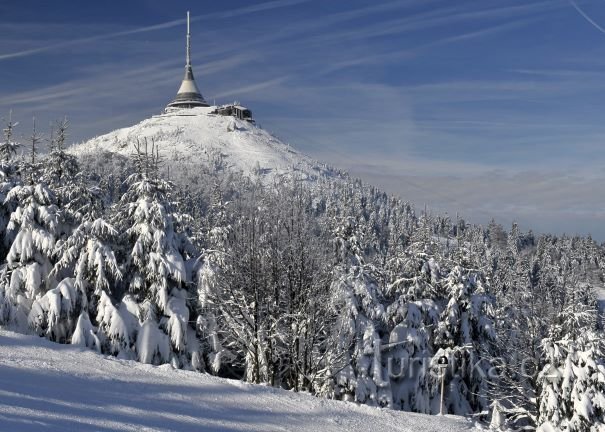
point(189, 137)
point(45, 386)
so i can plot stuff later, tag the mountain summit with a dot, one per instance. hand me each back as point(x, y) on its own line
point(186, 138)
point(190, 133)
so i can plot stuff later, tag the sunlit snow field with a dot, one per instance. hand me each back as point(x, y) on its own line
point(46, 386)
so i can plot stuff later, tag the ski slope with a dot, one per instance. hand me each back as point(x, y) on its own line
point(190, 137)
point(46, 386)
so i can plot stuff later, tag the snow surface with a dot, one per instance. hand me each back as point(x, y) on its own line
point(187, 137)
point(46, 386)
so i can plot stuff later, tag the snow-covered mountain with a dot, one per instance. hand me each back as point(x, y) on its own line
point(48, 387)
point(190, 137)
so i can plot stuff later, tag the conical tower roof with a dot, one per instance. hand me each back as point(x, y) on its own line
point(189, 95)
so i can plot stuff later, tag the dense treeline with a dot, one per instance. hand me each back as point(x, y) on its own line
point(327, 286)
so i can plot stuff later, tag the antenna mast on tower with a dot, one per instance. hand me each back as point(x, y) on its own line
point(189, 95)
point(188, 42)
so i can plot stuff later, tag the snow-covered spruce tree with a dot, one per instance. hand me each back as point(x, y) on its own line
point(533, 287)
point(60, 170)
point(466, 334)
point(522, 322)
point(407, 352)
point(572, 381)
point(399, 226)
point(156, 273)
point(8, 179)
point(412, 315)
point(413, 272)
point(87, 256)
point(55, 313)
point(358, 370)
point(118, 328)
point(85, 260)
point(8, 147)
point(34, 227)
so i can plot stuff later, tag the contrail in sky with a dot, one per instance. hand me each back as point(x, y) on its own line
point(586, 17)
point(237, 12)
point(28, 52)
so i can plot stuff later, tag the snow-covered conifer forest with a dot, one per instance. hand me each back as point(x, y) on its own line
point(330, 286)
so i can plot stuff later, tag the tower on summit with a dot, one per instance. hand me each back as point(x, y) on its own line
point(189, 95)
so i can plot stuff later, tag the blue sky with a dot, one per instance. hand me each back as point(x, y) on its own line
point(489, 108)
